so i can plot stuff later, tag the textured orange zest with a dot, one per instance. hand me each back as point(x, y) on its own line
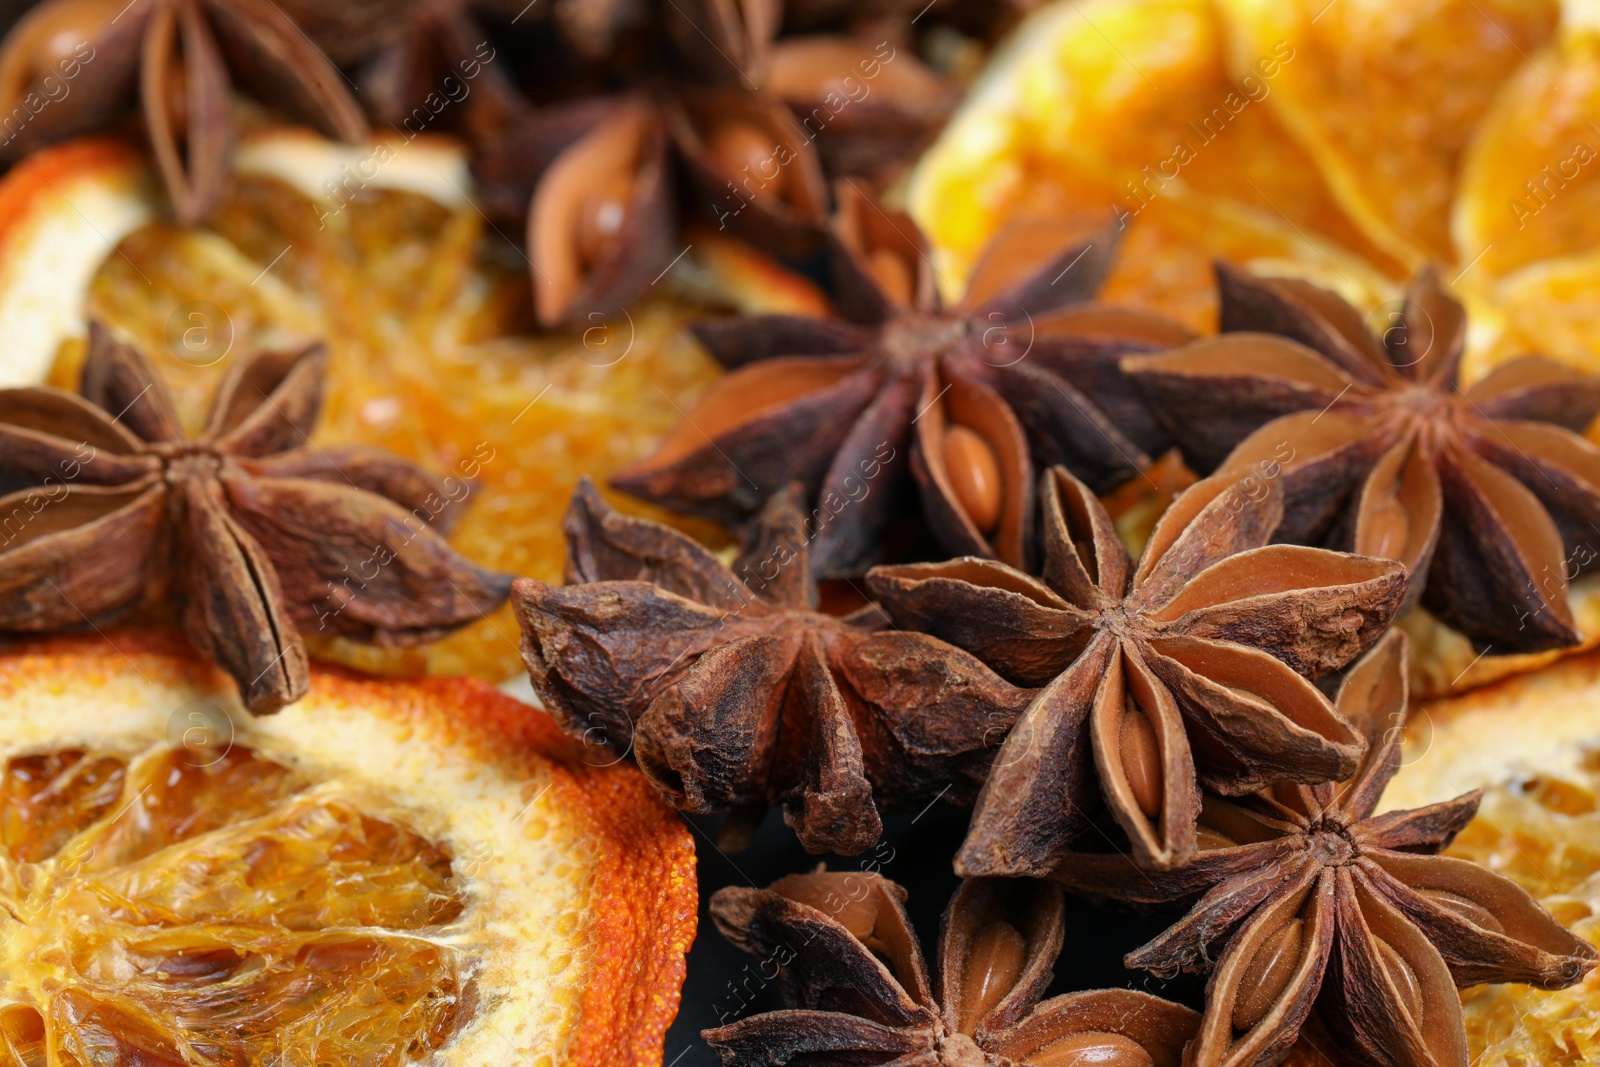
point(40, 173)
point(643, 912)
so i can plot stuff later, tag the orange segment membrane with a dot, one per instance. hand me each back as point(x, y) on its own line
point(186, 906)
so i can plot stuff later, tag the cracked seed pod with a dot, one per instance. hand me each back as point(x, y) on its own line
point(180, 59)
point(1487, 494)
point(756, 173)
point(867, 103)
point(859, 989)
point(256, 534)
point(738, 694)
point(1189, 671)
point(1304, 900)
point(964, 403)
point(592, 179)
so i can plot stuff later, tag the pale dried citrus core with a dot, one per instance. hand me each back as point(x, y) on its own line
point(179, 907)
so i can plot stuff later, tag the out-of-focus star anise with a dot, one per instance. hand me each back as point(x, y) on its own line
point(852, 969)
point(442, 72)
point(594, 181)
point(752, 122)
point(1488, 494)
point(1186, 672)
point(252, 530)
point(738, 694)
point(1305, 900)
point(971, 400)
point(87, 61)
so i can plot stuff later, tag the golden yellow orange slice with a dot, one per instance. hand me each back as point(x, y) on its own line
point(386, 873)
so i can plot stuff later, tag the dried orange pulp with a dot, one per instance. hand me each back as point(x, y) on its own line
point(1345, 142)
point(424, 306)
point(388, 873)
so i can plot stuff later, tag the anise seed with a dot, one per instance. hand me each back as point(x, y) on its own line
point(1207, 838)
point(1093, 1049)
point(600, 218)
point(46, 38)
point(993, 966)
point(1268, 974)
point(893, 275)
point(1404, 979)
point(1141, 759)
point(839, 896)
point(974, 474)
point(741, 148)
point(1468, 909)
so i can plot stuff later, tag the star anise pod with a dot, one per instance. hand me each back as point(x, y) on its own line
point(88, 60)
point(971, 400)
point(442, 72)
point(594, 181)
point(865, 99)
point(1182, 673)
point(252, 530)
point(1305, 900)
point(1488, 494)
point(850, 966)
point(738, 694)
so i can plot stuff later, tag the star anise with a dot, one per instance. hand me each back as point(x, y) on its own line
point(1186, 672)
point(1305, 900)
point(849, 963)
point(442, 72)
point(738, 694)
point(253, 531)
point(175, 57)
point(593, 178)
point(865, 99)
point(1488, 494)
point(971, 401)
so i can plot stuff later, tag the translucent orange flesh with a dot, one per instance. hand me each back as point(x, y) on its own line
point(427, 315)
point(184, 906)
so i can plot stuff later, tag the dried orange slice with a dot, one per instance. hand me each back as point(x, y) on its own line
point(1387, 98)
point(425, 308)
point(1533, 744)
point(1133, 110)
point(386, 873)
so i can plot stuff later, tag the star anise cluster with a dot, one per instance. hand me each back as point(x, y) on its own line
point(853, 972)
point(967, 404)
point(1304, 901)
point(738, 693)
point(1168, 705)
point(1488, 494)
point(252, 531)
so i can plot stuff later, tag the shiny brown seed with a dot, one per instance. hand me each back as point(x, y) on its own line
point(1094, 1049)
point(601, 216)
point(1207, 838)
point(1141, 760)
point(893, 276)
point(1404, 979)
point(846, 898)
point(49, 36)
point(748, 157)
point(1465, 907)
point(993, 966)
point(1268, 974)
point(974, 475)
